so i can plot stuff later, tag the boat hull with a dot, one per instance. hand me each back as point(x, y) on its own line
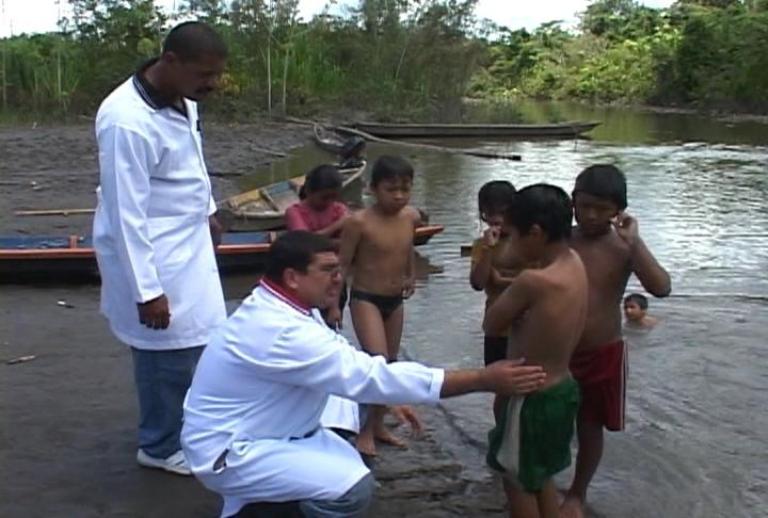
point(570, 129)
point(24, 259)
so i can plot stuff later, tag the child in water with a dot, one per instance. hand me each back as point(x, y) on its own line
point(377, 251)
point(636, 312)
point(493, 264)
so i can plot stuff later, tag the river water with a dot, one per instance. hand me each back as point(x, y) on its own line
point(696, 442)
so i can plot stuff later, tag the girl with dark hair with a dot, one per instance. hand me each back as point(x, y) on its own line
point(320, 209)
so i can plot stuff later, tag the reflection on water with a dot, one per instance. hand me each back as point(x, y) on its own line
point(697, 424)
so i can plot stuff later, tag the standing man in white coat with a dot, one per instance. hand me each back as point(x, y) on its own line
point(153, 230)
point(252, 428)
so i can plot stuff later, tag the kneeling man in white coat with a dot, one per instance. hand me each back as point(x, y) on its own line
point(251, 418)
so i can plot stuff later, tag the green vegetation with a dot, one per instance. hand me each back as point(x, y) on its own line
point(396, 57)
point(708, 53)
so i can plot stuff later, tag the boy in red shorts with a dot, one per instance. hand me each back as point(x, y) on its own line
point(608, 241)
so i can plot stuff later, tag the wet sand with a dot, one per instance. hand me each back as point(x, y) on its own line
point(68, 440)
point(55, 167)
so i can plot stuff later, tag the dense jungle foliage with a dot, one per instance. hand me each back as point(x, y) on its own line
point(405, 58)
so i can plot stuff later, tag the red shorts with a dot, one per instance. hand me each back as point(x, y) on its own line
point(602, 375)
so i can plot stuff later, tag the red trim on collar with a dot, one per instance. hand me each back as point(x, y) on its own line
point(289, 298)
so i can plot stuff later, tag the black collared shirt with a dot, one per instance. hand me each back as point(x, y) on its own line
point(152, 95)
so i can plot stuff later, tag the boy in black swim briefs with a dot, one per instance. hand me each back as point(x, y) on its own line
point(377, 252)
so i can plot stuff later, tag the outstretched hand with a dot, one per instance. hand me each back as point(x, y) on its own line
point(627, 228)
point(405, 414)
point(513, 377)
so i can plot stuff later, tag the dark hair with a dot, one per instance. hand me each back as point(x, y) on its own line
point(603, 181)
point(296, 250)
point(637, 298)
point(322, 177)
point(544, 205)
point(389, 167)
point(192, 40)
point(494, 196)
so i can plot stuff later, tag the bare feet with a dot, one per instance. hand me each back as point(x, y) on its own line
point(366, 441)
point(572, 507)
point(366, 445)
point(387, 437)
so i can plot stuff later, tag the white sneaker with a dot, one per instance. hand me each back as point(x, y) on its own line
point(176, 463)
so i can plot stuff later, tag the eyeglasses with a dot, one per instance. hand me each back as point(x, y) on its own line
point(331, 270)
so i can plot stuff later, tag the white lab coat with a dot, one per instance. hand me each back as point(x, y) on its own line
point(341, 413)
point(151, 232)
point(258, 393)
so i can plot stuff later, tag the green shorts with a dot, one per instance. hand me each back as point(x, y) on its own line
point(532, 440)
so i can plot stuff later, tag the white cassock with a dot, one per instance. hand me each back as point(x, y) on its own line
point(151, 232)
point(251, 417)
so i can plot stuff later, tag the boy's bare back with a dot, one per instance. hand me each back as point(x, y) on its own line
point(377, 249)
point(553, 319)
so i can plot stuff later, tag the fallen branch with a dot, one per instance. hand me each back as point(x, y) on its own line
point(268, 151)
point(53, 212)
point(219, 174)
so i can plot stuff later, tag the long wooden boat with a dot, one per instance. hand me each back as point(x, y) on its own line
point(563, 129)
point(25, 257)
point(264, 208)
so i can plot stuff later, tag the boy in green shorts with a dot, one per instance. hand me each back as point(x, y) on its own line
point(546, 310)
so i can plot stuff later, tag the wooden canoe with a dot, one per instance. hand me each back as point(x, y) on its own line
point(564, 129)
point(332, 142)
point(72, 257)
point(264, 208)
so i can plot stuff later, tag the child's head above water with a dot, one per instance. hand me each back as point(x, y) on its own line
point(537, 216)
point(493, 199)
point(391, 182)
point(322, 186)
point(635, 307)
point(599, 195)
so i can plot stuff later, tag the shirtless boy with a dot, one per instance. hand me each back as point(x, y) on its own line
point(546, 308)
point(608, 241)
point(492, 256)
point(377, 251)
point(494, 264)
